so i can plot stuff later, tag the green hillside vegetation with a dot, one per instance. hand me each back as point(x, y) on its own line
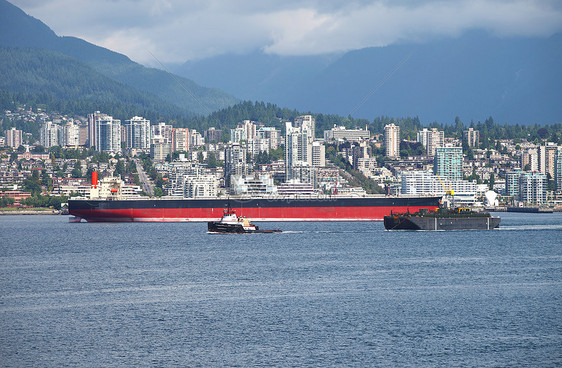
point(63, 84)
point(17, 29)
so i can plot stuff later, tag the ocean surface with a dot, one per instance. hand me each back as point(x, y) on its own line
point(344, 294)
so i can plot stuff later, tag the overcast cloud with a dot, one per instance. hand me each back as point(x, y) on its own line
point(181, 30)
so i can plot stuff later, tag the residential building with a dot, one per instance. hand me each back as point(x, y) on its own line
point(318, 154)
point(160, 148)
point(532, 187)
point(14, 138)
point(195, 139)
point(472, 137)
point(435, 138)
point(274, 136)
point(137, 134)
point(235, 162)
point(201, 186)
point(49, 134)
point(180, 139)
point(424, 182)
point(70, 135)
point(530, 157)
point(392, 140)
point(104, 132)
point(546, 157)
point(255, 184)
point(212, 135)
point(512, 183)
point(558, 170)
point(448, 162)
point(307, 122)
point(340, 133)
point(298, 149)
point(162, 130)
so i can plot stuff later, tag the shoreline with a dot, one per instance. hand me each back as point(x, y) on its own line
point(29, 212)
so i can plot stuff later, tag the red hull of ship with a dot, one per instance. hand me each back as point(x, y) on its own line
point(256, 214)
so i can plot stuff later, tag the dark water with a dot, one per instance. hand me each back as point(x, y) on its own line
point(317, 295)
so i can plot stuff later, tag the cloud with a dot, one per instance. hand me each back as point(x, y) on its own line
point(178, 30)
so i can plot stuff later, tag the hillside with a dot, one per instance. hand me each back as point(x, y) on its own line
point(17, 29)
point(515, 80)
point(70, 86)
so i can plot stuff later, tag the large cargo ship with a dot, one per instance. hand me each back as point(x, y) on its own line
point(273, 208)
point(334, 208)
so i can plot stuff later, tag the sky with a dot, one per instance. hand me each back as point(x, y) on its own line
point(175, 31)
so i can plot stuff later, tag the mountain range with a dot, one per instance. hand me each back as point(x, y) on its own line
point(473, 77)
point(19, 30)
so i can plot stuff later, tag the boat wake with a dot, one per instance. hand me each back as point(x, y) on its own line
point(531, 227)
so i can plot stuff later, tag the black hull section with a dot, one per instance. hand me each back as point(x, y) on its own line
point(218, 227)
point(440, 223)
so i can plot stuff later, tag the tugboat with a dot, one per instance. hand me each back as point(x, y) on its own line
point(442, 219)
point(232, 223)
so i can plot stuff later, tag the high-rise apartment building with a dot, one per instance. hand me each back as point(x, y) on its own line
point(472, 137)
point(298, 149)
point(180, 139)
point(431, 139)
point(235, 162)
point(49, 134)
point(70, 135)
point(195, 139)
point(532, 187)
point(435, 138)
point(392, 140)
point(546, 158)
point(448, 162)
point(512, 183)
point(162, 130)
point(307, 122)
point(558, 170)
point(530, 157)
point(14, 137)
point(137, 134)
point(274, 136)
point(104, 132)
point(212, 135)
point(318, 154)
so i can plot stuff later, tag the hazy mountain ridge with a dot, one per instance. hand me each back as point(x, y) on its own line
point(515, 80)
point(17, 29)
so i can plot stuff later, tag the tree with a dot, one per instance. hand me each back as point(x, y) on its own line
point(212, 161)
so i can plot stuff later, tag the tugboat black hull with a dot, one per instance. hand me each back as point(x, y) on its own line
point(218, 227)
point(440, 223)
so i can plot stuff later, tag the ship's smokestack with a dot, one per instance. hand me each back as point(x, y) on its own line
point(94, 179)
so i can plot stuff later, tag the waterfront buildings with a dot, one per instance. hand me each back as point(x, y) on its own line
point(448, 162)
point(532, 187)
